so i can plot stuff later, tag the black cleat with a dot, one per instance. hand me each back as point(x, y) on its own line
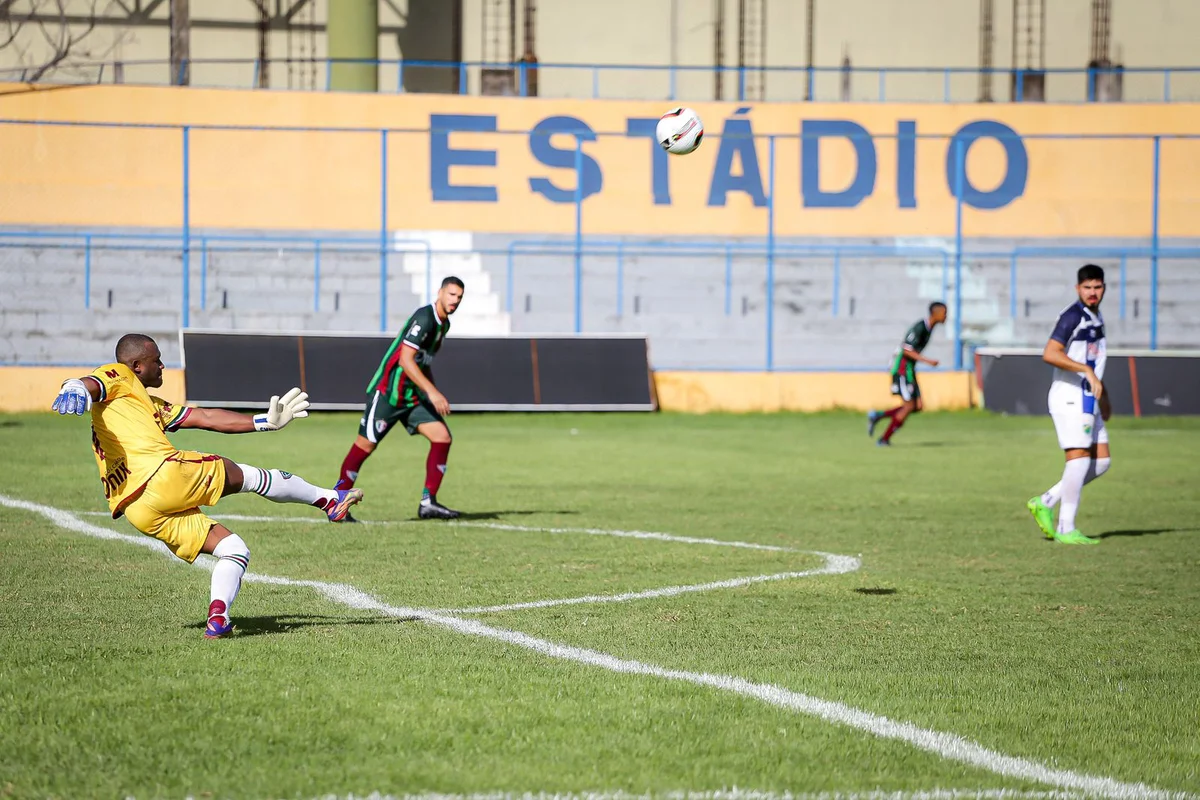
point(349, 518)
point(435, 510)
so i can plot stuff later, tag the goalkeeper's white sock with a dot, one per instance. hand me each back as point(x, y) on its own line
point(1096, 468)
point(284, 487)
point(233, 557)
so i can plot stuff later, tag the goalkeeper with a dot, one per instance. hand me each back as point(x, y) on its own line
point(159, 489)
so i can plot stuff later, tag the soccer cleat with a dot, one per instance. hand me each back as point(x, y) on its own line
point(873, 418)
point(883, 443)
point(1042, 514)
point(1074, 537)
point(349, 518)
point(432, 509)
point(341, 508)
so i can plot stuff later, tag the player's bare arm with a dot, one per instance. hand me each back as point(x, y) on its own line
point(1055, 355)
point(915, 356)
point(280, 411)
point(408, 362)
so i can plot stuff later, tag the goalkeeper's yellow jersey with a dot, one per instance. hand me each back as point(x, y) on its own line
point(128, 434)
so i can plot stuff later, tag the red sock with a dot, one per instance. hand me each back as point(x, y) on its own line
point(351, 466)
point(217, 609)
point(892, 428)
point(891, 413)
point(435, 467)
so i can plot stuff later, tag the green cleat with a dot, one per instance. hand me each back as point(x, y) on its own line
point(1042, 514)
point(1074, 537)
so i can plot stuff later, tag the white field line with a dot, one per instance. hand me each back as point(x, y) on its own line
point(833, 564)
point(945, 745)
point(661, 537)
point(730, 794)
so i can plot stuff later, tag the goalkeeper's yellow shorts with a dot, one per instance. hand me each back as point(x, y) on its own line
point(168, 506)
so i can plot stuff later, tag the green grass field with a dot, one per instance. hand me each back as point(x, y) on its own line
point(1083, 662)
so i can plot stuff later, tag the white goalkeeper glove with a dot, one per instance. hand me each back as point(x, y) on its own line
point(73, 398)
point(282, 410)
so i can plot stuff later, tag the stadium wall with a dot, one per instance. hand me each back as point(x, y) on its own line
point(33, 389)
point(508, 164)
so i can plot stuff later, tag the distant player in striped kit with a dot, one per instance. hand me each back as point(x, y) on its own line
point(904, 374)
point(402, 393)
point(1078, 406)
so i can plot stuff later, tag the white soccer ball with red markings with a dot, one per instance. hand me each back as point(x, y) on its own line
point(679, 131)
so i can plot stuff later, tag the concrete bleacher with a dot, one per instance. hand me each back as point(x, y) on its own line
point(676, 292)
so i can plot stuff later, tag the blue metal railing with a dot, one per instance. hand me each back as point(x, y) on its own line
point(765, 245)
point(792, 83)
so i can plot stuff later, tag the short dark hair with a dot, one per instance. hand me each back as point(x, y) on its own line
point(1090, 272)
point(453, 281)
point(131, 346)
point(934, 306)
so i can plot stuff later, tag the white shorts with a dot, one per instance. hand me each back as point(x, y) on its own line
point(1066, 409)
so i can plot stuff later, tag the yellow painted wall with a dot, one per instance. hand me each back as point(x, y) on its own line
point(703, 392)
point(34, 388)
point(331, 180)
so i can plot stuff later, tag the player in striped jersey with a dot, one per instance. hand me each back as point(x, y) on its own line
point(402, 392)
point(1078, 406)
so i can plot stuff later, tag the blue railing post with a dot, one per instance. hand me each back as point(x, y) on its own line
point(728, 280)
point(960, 160)
point(317, 275)
point(254, 76)
point(203, 273)
point(328, 74)
point(462, 79)
point(383, 230)
point(1124, 258)
point(1091, 85)
point(812, 83)
point(1019, 88)
point(1154, 245)
point(741, 83)
point(185, 313)
point(595, 83)
point(946, 86)
point(523, 79)
point(837, 281)
point(87, 270)
point(1012, 285)
point(882, 85)
point(771, 254)
point(1166, 85)
point(400, 76)
point(578, 233)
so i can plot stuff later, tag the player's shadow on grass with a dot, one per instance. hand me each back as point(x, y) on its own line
point(1144, 532)
point(474, 516)
point(874, 591)
point(285, 623)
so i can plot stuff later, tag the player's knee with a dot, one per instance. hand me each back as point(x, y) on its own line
point(232, 545)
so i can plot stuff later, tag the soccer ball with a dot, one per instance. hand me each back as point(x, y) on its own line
point(679, 131)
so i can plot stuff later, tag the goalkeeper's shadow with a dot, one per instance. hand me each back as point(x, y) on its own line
point(286, 623)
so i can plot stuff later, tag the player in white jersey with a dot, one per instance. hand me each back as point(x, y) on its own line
point(1078, 406)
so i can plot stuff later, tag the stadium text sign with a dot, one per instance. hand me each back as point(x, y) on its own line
point(540, 166)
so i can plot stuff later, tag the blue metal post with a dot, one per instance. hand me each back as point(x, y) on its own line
point(812, 95)
point(317, 276)
point(946, 85)
point(1012, 286)
point(578, 234)
point(383, 229)
point(1124, 258)
point(959, 176)
point(1020, 88)
point(837, 280)
point(771, 254)
point(595, 82)
point(523, 82)
point(462, 79)
point(400, 76)
point(728, 281)
point(1091, 85)
point(185, 314)
point(882, 85)
point(87, 270)
point(1154, 246)
point(741, 83)
point(328, 75)
point(203, 273)
point(1166, 85)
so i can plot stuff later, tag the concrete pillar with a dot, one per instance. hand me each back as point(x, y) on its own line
point(353, 31)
